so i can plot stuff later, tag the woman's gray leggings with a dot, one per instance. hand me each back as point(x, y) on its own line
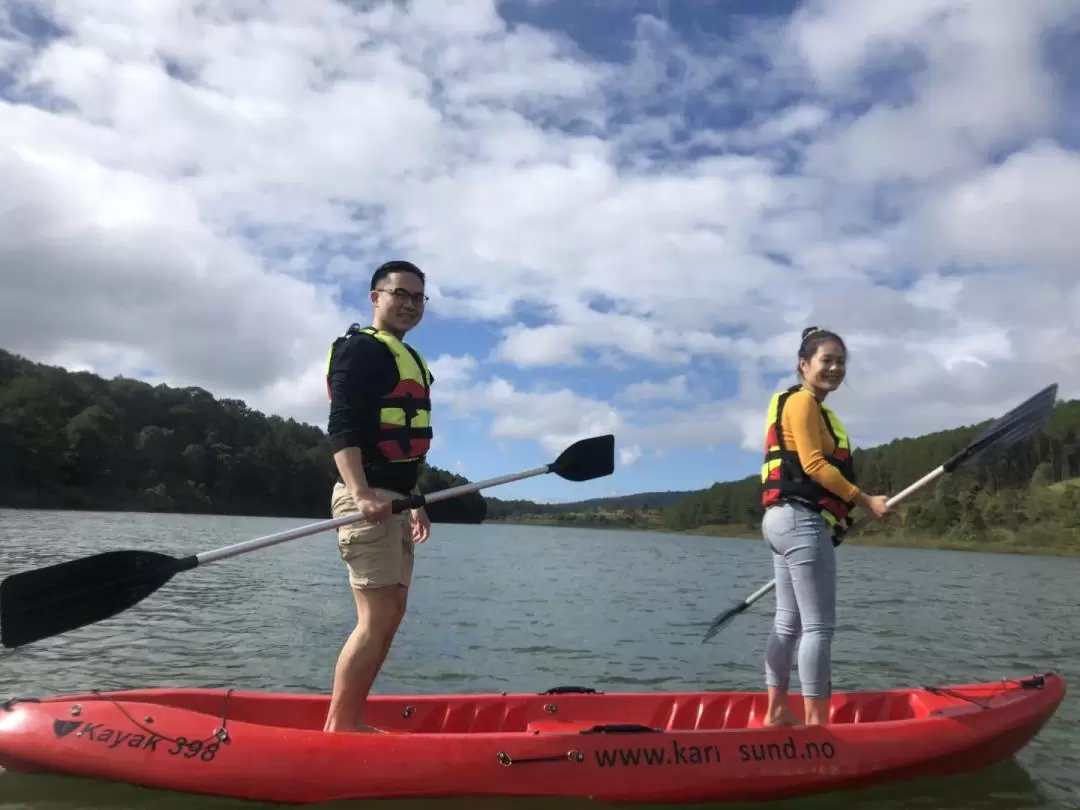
point(805, 563)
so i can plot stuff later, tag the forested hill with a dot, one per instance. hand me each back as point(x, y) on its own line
point(76, 440)
point(997, 492)
point(498, 508)
point(1028, 497)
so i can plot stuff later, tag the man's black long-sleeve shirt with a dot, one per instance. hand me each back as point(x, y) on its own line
point(361, 371)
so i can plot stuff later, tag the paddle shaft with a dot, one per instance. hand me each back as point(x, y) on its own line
point(1017, 424)
point(399, 505)
point(950, 465)
point(902, 495)
point(65, 596)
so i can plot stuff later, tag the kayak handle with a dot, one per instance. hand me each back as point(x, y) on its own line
point(570, 690)
point(622, 728)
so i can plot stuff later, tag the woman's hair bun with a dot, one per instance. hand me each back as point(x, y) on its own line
point(808, 331)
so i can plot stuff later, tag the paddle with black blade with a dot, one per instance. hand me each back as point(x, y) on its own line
point(1017, 424)
point(59, 598)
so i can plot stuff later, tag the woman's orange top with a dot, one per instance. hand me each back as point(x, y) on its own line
point(805, 431)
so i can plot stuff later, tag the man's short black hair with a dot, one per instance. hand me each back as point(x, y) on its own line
point(395, 266)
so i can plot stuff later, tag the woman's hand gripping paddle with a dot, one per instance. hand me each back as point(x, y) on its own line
point(49, 601)
point(1017, 424)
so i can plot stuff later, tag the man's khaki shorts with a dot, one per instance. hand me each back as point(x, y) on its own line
point(376, 554)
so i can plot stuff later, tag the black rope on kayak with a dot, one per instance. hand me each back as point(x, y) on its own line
point(1007, 685)
point(939, 690)
point(10, 703)
point(207, 745)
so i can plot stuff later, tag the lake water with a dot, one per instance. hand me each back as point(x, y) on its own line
point(509, 608)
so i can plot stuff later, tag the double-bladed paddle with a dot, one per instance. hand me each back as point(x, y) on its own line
point(56, 599)
point(1017, 424)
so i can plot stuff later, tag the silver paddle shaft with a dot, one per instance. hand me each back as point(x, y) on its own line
point(903, 494)
point(344, 520)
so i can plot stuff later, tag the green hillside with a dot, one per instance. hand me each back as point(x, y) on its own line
point(1026, 501)
point(78, 441)
point(1061, 486)
point(499, 509)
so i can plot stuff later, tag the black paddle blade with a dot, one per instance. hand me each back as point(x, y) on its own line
point(586, 459)
point(1019, 423)
point(723, 620)
point(59, 598)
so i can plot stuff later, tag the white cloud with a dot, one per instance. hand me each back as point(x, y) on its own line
point(450, 372)
point(628, 455)
point(1024, 212)
point(554, 418)
point(187, 190)
point(674, 388)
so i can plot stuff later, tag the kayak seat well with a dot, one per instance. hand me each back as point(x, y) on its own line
point(662, 713)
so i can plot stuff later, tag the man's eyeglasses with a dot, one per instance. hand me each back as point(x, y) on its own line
point(403, 295)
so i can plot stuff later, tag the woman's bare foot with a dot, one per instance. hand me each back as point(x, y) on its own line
point(784, 717)
point(817, 711)
point(778, 712)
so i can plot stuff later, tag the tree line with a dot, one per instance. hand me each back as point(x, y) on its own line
point(74, 440)
point(1026, 491)
point(499, 509)
point(1028, 496)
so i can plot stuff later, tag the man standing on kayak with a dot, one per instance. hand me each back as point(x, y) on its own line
point(380, 432)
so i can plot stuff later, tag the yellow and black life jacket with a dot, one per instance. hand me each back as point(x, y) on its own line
point(402, 432)
point(783, 477)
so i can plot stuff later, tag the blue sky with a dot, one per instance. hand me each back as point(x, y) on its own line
point(628, 212)
point(464, 444)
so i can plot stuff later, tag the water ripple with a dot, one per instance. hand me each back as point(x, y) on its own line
point(592, 608)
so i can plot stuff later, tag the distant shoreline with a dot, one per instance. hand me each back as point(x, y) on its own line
point(1006, 545)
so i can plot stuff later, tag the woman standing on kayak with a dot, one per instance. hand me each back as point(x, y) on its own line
point(808, 490)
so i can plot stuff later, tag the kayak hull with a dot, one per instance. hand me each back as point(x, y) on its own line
point(663, 747)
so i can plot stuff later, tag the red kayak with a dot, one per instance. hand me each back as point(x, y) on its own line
point(648, 747)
